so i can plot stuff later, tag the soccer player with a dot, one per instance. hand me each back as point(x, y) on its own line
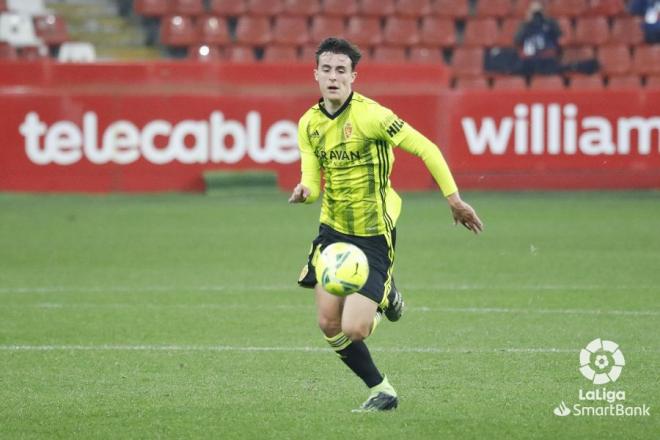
point(350, 139)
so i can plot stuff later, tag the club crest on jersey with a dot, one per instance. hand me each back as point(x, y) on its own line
point(348, 130)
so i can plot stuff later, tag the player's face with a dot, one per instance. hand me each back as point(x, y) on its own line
point(335, 76)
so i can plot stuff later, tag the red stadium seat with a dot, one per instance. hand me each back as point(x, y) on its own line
point(471, 83)
point(377, 8)
point(3, 6)
point(32, 53)
point(509, 83)
point(507, 32)
point(567, 33)
point(308, 53)
point(653, 82)
point(253, 31)
point(614, 59)
point(426, 55)
point(646, 59)
point(437, 32)
point(340, 8)
point(228, 8)
point(277, 53)
point(290, 31)
point(592, 30)
point(618, 82)
point(609, 8)
point(213, 30)
point(468, 61)
point(151, 8)
point(547, 83)
point(302, 7)
point(264, 7)
point(241, 54)
point(389, 54)
point(324, 27)
point(480, 32)
point(205, 53)
point(52, 29)
point(586, 82)
point(494, 8)
point(566, 8)
point(627, 30)
point(364, 31)
point(520, 8)
point(400, 31)
point(412, 8)
point(187, 7)
point(7, 51)
point(577, 53)
point(177, 31)
point(454, 9)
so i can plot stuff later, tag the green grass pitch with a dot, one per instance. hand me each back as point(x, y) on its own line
point(178, 316)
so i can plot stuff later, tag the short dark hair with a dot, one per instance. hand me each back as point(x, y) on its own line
point(339, 45)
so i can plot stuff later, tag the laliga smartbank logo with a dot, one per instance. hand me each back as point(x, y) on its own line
point(216, 139)
point(601, 362)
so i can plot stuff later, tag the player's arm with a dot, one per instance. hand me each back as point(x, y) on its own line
point(400, 133)
point(309, 188)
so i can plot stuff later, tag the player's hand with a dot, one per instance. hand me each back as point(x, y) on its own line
point(299, 194)
point(464, 214)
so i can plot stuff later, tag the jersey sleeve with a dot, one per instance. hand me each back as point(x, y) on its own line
point(397, 132)
point(309, 163)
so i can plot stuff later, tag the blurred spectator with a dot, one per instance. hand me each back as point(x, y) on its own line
point(537, 41)
point(650, 10)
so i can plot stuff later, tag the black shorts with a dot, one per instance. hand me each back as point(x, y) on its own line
point(379, 250)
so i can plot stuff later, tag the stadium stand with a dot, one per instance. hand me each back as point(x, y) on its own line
point(187, 7)
point(400, 31)
point(546, 83)
point(306, 8)
point(586, 82)
point(494, 8)
point(426, 55)
point(264, 7)
point(454, 32)
point(377, 8)
point(437, 32)
point(339, 8)
point(509, 83)
point(290, 30)
point(365, 31)
point(480, 32)
point(206, 53)
point(412, 8)
point(614, 59)
point(228, 8)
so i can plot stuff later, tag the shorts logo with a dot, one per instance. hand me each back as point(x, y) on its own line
point(601, 361)
point(348, 130)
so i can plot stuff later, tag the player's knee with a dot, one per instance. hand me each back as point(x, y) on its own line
point(356, 331)
point(329, 326)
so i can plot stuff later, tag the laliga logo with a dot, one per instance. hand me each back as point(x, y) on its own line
point(601, 361)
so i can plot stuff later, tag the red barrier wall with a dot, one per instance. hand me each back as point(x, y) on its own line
point(158, 126)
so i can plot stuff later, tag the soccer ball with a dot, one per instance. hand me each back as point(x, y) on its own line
point(342, 268)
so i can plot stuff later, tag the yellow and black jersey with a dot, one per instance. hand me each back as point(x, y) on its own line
point(353, 149)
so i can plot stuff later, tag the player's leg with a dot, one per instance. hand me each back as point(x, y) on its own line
point(357, 324)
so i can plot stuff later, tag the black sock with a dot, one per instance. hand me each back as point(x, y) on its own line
point(357, 357)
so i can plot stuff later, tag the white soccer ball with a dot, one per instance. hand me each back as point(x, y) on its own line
point(342, 268)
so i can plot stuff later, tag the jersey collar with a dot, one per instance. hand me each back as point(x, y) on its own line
point(338, 112)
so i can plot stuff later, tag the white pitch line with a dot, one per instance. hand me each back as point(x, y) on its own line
point(229, 348)
point(230, 306)
point(293, 287)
